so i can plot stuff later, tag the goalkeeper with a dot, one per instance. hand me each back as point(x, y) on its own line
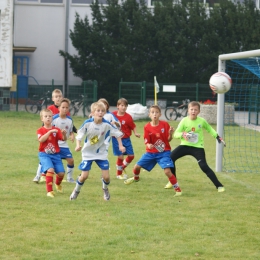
point(190, 131)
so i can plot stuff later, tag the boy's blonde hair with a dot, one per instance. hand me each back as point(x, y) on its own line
point(105, 102)
point(56, 91)
point(194, 104)
point(156, 107)
point(45, 110)
point(122, 101)
point(65, 100)
point(96, 105)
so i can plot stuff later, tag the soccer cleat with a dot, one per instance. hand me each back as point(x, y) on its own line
point(50, 194)
point(178, 193)
point(221, 189)
point(74, 194)
point(70, 180)
point(36, 179)
point(59, 188)
point(42, 179)
point(106, 194)
point(168, 185)
point(130, 180)
point(121, 177)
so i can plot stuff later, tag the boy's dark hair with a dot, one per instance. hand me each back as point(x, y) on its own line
point(155, 106)
point(194, 104)
point(122, 101)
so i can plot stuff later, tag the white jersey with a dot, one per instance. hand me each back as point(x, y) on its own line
point(111, 117)
point(63, 123)
point(97, 139)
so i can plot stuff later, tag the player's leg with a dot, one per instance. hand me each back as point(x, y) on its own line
point(120, 159)
point(66, 154)
point(104, 166)
point(177, 153)
point(165, 162)
point(147, 162)
point(129, 151)
point(199, 154)
point(60, 171)
point(37, 177)
point(85, 167)
point(48, 168)
point(70, 170)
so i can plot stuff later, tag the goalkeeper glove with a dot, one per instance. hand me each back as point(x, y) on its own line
point(186, 136)
point(220, 140)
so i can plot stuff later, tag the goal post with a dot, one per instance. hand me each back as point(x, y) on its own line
point(240, 81)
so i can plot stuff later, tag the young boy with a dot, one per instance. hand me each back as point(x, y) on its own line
point(127, 126)
point(63, 121)
point(56, 98)
point(50, 160)
point(190, 131)
point(97, 131)
point(157, 135)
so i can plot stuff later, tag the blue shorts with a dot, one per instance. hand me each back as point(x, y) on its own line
point(65, 153)
point(149, 160)
point(126, 143)
point(86, 164)
point(51, 161)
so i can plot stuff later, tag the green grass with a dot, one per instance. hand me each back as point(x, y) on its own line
point(141, 221)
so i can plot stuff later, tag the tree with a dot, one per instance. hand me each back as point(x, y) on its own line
point(175, 42)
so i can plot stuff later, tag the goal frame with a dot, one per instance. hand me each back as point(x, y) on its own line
point(221, 99)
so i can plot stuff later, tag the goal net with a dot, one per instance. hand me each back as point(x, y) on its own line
point(240, 123)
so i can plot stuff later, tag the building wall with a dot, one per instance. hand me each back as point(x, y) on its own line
point(43, 27)
point(6, 42)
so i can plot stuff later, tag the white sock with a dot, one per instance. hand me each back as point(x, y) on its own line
point(38, 173)
point(70, 170)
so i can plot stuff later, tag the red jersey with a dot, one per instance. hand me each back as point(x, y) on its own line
point(127, 124)
point(157, 136)
point(55, 109)
point(50, 146)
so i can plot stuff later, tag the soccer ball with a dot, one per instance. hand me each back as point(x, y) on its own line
point(220, 82)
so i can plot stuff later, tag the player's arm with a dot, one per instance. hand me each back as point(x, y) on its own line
point(43, 138)
point(72, 137)
point(171, 131)
point(147, 139)
point(178, 133)
point(135, 132)
point(121, 147)
point(211, 131)
point(64, 134)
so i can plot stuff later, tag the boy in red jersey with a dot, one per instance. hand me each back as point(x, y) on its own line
point(127, 126)
point(157, 135)
point(49, 149)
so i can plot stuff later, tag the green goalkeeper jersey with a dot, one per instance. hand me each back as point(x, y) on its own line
point(195, 130)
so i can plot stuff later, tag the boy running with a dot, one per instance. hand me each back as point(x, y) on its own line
point(127, 126)
point(63, 121)
point(50, 160)
point(157, 135)
point(190, 131)
point(97, 132)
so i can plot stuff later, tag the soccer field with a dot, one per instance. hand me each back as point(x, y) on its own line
point(141, 221)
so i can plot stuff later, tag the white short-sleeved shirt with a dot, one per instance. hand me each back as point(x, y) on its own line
point(97, 138)
point(63, 123)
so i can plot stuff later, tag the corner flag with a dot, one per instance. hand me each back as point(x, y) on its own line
point(156, 90)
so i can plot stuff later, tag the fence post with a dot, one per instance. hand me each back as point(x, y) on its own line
point(144, 93)
point(197, 91)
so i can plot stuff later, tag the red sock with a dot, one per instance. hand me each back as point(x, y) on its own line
point(58, 179)
point(119, 164)
point(49, 181)
point(175, 184)
point(128, 160)
point(136, 174)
